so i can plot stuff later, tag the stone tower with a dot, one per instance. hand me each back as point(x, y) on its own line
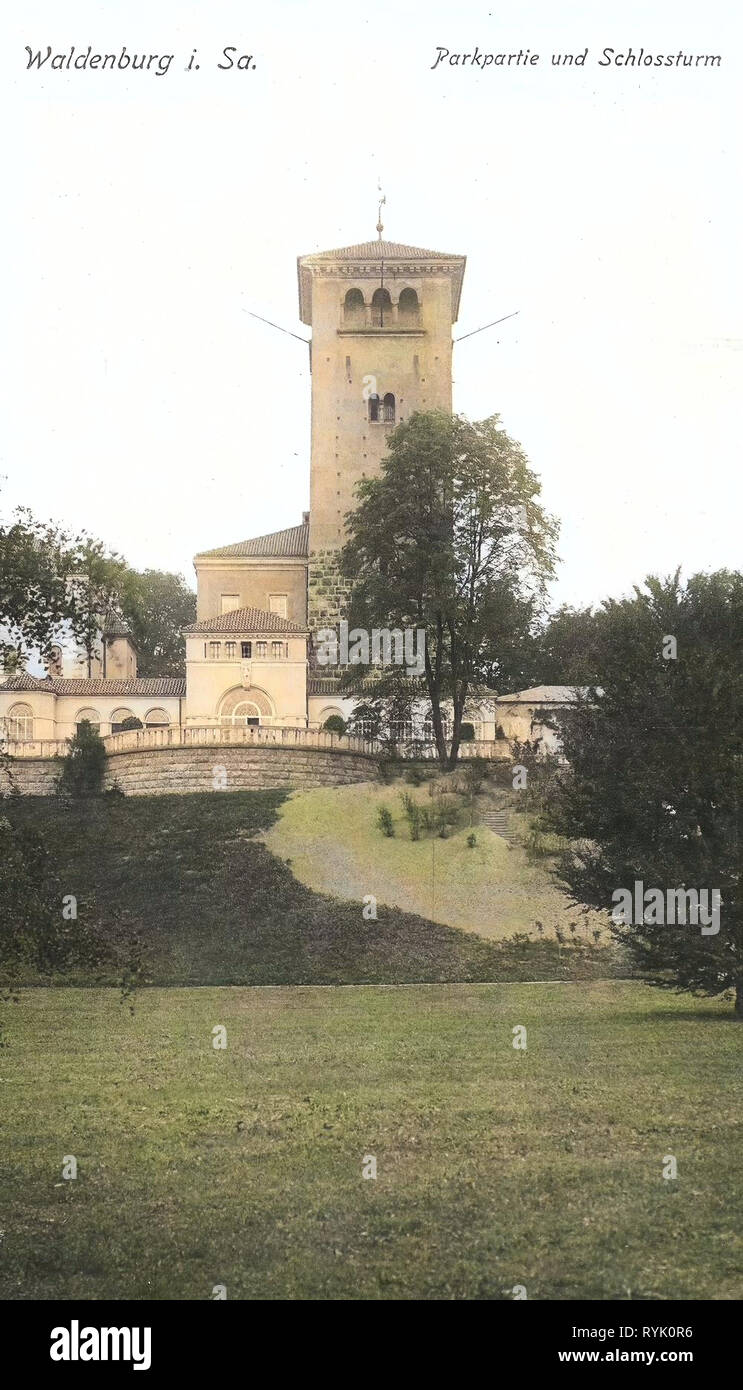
point(381, 316)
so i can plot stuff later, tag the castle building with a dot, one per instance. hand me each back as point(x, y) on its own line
point(381, 315)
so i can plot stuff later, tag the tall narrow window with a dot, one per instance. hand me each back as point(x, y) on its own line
point(374, 407)
point(381, 308)
point(388, 409)
point(407, 308)
point(246, 650)
point(214, 650)
point(229, 650)
point(277, 650)
point(262, 648)
point(20, 723)
point(353, 307)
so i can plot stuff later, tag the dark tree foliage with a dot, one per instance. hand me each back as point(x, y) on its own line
point(653, 790)
point(84, 763)
point(34, 601)
point(334, 724)
point(35, 932)
point(56, 585)
point(564, 649)
point(452, 539)
point(158, 605)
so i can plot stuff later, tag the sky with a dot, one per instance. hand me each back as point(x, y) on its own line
point(147, 214)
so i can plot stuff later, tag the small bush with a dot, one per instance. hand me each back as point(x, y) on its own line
point(466, 733)
point(334, 724)
point(131, 722)
point(384, 821)
point(475, 772)
point(83, 766)
point(472, 839)
point(413, 815)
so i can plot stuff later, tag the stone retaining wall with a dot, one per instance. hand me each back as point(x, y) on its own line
point(29, 776)
point(168, 771)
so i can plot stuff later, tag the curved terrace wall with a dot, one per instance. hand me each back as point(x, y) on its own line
point(157, 762)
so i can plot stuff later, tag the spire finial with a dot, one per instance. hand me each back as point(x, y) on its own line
point(382, 200)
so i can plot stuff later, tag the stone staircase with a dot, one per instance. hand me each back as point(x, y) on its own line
point(498, 822)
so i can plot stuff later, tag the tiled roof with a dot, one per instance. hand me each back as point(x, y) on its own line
point(376, 250)
point(244, 620)
point(116, 626)
point(140, 685)
point(293, 541)
point(22, 682)
point(542, 695)
point(323, 685)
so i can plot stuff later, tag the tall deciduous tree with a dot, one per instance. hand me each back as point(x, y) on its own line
point(653, 788)
point(34, 599)
point(94, 582)
point(451, 538)
point(158, 605)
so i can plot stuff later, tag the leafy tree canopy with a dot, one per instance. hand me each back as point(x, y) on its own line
point(158, 605)
point(653, 788)
point(451, 538)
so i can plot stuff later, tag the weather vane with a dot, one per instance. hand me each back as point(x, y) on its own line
point(382, 201)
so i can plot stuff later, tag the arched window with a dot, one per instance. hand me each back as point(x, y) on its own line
point(330, 712)
point(381, 308)
point(375, 407)
point(388, 409)
point(157, 719)
point(88, 716)
point(353, 307)
point(407, 307)
point(20, 723)
point(122, 720)
point(246, 712)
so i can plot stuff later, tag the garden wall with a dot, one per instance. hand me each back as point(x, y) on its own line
point(221, 767)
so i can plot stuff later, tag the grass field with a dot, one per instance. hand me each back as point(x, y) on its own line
point(331, 838)
point(211, 905)
point(495, 1167)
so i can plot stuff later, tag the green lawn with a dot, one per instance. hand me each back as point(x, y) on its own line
point(331, 838)
point(495, 1167)
point(211, 905)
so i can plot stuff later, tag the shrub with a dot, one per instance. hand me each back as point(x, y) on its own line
point(334, 724)
point(472, 839)
point(413, 815)
point(83, 765)
point(384, 821)
point(466, 733)
point(475, 772)
point(131, 722)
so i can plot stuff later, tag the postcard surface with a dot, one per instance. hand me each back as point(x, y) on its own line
point(371, 703)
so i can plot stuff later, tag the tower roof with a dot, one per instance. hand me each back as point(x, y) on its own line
point(293, 541)
point(244, 620)
point(369, 254)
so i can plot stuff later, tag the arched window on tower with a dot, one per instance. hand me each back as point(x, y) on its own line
point(375, 407)
point(381, 308)
point(388, 409)
point(353, 307)
point(407, 308)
